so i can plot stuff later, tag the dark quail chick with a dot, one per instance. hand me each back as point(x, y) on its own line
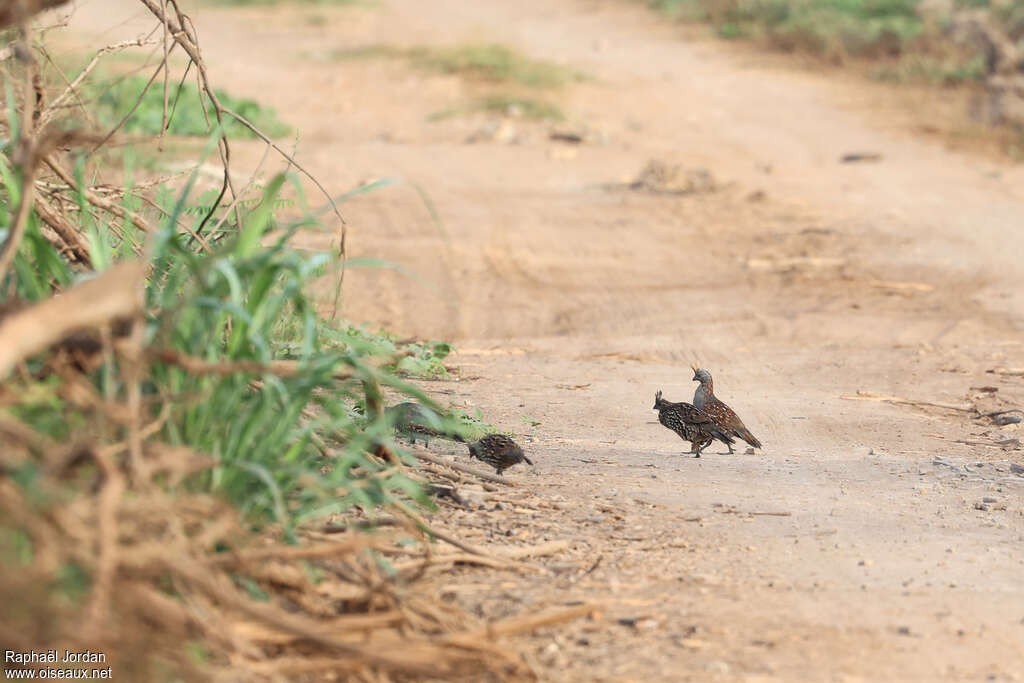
point(415, 421)
point(690, 423)
point(498, 451)
point(704, 398)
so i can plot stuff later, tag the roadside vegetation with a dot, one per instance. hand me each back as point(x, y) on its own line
point(508, 80)
point(920, 32)
point(916, 39)
point(976, 46)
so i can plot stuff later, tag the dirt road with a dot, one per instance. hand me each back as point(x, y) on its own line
point(896, 550)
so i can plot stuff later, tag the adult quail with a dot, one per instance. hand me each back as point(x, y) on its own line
point(705, 399)
point(415, 421)
point(498, 451)
point(690, 423)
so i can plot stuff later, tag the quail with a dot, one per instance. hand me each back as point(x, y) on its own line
point(704, 398)
point(415, 421)
point(498, 451)
point(690, 423)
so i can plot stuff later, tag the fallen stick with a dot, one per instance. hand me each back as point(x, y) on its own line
point(361, 524)
point(549, 548)
point(867, 396)
point(453, 558)
point(1017, 372)
point(301, 552)
point(520, 624)
point(486, 476)
point(771, 514)
point(994, 413)
point(115, 294)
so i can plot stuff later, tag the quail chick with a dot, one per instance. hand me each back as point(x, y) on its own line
point(705, 399)
point(498, 451)
point(690, 423)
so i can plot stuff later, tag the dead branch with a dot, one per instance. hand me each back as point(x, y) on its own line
point(67, 232)
point(98, 201)
point(486, 476)
point(115, 294)
point(532, 622)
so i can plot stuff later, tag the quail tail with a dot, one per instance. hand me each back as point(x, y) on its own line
point(748, 437)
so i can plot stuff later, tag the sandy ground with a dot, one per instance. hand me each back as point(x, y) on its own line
point(895, 553)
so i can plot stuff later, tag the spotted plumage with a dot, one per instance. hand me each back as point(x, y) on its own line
point(415, 421)
point(690, 423)
point(498, 451)
point(705, 399)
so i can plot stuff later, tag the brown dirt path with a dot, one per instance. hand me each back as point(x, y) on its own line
point(797, 279)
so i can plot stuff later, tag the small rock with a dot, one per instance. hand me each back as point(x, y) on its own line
point(1016, 469)
point(865, 563)
point(691, 643)
point(981, 506)
point(903, 630)
point(473, 498)
point(717, 666)
point(1003, 420)
point(989, 499)
point(595, 518)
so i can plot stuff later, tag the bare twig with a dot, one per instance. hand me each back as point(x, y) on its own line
point(486, 476)
point(97, 200)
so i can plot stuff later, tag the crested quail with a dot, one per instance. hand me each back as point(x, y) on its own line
point(690, 423)
point(415, 421)
point(498, 451)
point(704, 398)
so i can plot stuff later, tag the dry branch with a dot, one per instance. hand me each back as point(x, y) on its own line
point(486, 476)
point(115, 294)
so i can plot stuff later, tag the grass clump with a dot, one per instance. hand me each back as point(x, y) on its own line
point(831, 27)
point(486, 62)
point(116, 98)
point(494, 63)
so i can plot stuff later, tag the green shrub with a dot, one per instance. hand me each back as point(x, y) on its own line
point(115, 99)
